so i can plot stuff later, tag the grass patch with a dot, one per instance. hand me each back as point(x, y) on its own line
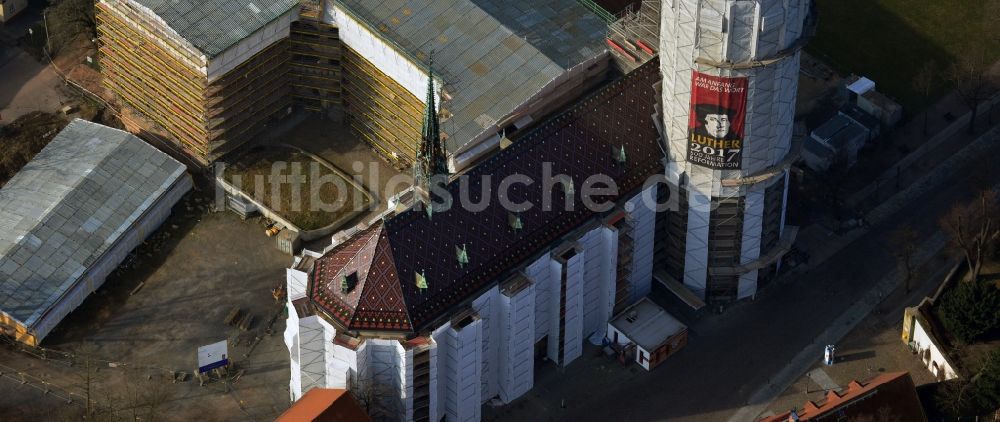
point(25, 137)
point(890, 40)
point(324, 196)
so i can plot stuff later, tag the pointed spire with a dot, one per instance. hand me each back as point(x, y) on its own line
point(432, 158)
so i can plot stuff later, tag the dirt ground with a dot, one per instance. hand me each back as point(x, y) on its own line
point(335, 197)
point(24, 138)
point(334, 142)
point(148, 320)
point(27, 85)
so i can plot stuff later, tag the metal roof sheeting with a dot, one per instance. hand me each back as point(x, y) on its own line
point(493, 55)
point(68, 206)
point(646, 324)
point(213, 26)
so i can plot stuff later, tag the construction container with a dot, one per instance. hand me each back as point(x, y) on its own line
point(289, 241)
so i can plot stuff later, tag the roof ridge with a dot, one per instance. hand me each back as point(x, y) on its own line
point(75, 179)
point(382, 298)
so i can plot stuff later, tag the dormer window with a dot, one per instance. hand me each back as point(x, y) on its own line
point(421, 281)
point(462, 254)
point(619, 154)
point(514, 219)
point(348, 282)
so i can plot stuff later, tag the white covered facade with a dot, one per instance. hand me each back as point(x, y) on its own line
point(487, 350)
point(728, 237)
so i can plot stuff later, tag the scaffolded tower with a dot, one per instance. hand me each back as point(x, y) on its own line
point(730, 72)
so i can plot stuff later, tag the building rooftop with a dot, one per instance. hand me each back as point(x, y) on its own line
point(213, 26)
point(861, 117)
point(325, 405)
point(860, 85)
point(838, 130)
point(384, 265)
point(892, 392)
point(882, 101)
point(68, 206)
point(828, 130)
point(493, 55)
point(818, 149)
point(646, 324)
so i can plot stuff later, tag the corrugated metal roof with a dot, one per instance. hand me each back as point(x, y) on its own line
point(213, 26)
point(63, 210)
point(492, 54)
point(832, 127)
point(645, 323)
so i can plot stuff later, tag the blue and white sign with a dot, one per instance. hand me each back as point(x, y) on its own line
point(213, 356)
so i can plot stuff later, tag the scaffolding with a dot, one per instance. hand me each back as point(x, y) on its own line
point(623, 273)
point(316, 61)
point(380, 111)
point(157, 75)
point(422, 385)
point(731, 230)
point(635, 35)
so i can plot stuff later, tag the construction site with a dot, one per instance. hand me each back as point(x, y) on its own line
point(468, 210)
point(212, 77)
point(443, 313)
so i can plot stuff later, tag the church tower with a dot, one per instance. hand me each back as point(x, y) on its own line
point(730, 74)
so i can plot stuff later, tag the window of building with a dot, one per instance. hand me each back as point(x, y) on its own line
point(349, 282)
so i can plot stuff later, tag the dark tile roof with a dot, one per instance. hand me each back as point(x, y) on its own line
point(578, 143)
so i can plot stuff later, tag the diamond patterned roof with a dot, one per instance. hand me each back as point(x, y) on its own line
point(578, 143)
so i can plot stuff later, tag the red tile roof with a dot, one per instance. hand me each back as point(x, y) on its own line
point(578, 143)
point(325, 405)
point(892, 392)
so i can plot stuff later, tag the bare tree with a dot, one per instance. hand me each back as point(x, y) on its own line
point(991, 27)
point(991, 20)
point(971, 73)
point(372, 396)
point(970, 226)
point(923, 82)
point(904, 241)
point(70, 19)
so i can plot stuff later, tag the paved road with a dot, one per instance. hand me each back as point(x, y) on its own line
point(26, 85)
point(730, 356)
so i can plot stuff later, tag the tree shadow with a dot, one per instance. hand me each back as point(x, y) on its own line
point(868, 354)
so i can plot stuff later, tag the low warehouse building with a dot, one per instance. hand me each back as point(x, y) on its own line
point(70, 217)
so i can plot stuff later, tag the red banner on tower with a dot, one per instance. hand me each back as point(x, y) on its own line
point(718, 117)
